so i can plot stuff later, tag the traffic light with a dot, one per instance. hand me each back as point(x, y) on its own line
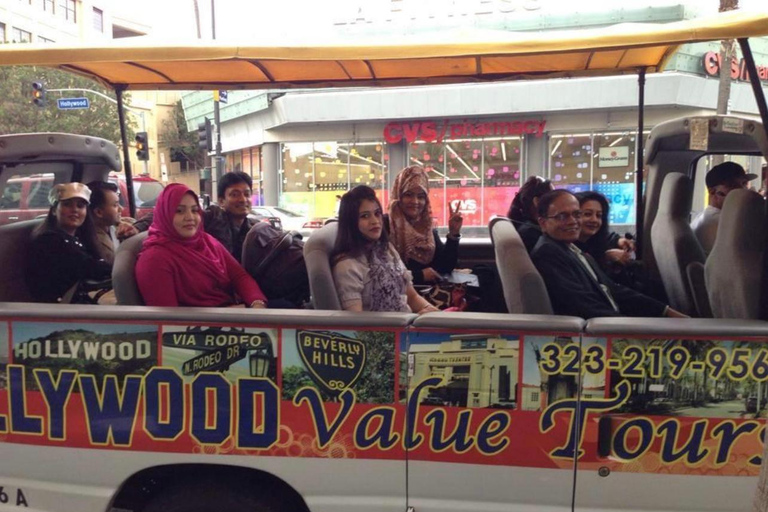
point(142, 146)
point(38, 94)
point(205, 135)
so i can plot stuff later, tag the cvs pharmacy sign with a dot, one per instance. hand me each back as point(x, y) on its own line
point(432, 131)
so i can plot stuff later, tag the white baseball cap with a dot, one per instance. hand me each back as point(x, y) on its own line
point(64, 191)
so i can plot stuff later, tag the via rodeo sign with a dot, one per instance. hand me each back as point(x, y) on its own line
point(220, 347)
point(334, 361)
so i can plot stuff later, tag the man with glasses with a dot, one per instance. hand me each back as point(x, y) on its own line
point(575, 283)
point(720, 180)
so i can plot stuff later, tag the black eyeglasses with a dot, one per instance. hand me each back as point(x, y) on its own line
point(564, 216)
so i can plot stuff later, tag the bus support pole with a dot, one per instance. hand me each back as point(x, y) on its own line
point(757, 90)
point(639, 205)
point(754, 81)
point(126, 151)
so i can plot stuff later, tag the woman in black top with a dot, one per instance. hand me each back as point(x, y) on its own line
point(615, 254)
point(522, 211)
point(410, 228)
point(63, 249)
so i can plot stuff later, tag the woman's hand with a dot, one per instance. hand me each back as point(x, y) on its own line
point(620, 256)
point(673, 313)
point(430, 275)
point(627, 244)
point(455, 221)
point(258, 304)
point(429, 308)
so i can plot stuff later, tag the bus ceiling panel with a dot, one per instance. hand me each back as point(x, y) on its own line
point(219, 316)
point(118, 72)
point(650, 57)
point(689, 328)
point(207, 71)
point(425, 68)
point(303, 70)
point(523, 64)
point(498, 321)
point(357, 69)
point(607, 59)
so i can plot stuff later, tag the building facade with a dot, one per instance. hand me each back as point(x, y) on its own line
point(479, 142)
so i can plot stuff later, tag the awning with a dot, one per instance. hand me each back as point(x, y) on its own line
point(469, 55)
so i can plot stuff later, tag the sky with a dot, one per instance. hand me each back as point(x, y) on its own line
point(235, 19)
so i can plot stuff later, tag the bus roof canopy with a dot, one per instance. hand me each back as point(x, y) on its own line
point(463, 55)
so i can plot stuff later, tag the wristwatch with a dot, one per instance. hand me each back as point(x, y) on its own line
point(454, 237)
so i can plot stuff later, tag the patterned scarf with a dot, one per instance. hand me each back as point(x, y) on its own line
point(413, 239)
point(387, 281)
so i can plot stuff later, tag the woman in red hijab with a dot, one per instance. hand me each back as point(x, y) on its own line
point(181, 265)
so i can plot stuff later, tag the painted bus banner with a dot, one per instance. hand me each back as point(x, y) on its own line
point(673, 406)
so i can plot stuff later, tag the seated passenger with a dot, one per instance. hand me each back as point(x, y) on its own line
point(576, 284)
point(522, 211)
point(368, 273)
point(720, 180)
point(181, 265)
point(63, 249)
point(608, 248)
point(227, 221)
point(410, 227)
point(105, 211)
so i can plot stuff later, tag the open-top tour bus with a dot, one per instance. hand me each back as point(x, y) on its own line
point(184, 409)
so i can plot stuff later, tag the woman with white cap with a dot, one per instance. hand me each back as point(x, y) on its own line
point(63, 249)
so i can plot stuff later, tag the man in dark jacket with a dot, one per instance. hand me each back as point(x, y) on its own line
point(227, 221)
point(575, 283)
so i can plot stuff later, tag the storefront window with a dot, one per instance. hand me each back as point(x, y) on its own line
point(614, 174)
point(368, 166)
point(315, 175)
point(479, 176)
point(603, 162)
point(503, 172)
point(571, 159)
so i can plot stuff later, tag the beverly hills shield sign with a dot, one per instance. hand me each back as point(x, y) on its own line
point(333, 360)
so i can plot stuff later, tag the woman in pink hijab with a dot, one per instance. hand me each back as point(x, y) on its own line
point(181, 265)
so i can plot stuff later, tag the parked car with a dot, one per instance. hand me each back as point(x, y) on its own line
point(26, 198)
point(145, 192)
point(276, 222)
point(291, 221)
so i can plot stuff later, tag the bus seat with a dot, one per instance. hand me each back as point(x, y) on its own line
point(674, 244)
point(734, 269)
point(123, 271)
point(698, 285)
point(524, 289)
point(317, 252)
point(14, 246)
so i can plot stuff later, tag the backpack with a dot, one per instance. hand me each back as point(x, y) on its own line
point(275, 259)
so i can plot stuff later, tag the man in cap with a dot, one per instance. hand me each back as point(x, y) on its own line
point(720, 180)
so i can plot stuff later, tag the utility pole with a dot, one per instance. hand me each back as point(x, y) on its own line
point(727, 51)
point(218, 167)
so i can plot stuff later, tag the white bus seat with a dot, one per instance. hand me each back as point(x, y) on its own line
point(317, 252)
point(697, 282)
point(14, 246)
point(674, 244)
point(123, 271)
point(523, 286)
point(734, 269)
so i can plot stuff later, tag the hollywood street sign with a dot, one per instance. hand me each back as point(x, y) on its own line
point(73, 103)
